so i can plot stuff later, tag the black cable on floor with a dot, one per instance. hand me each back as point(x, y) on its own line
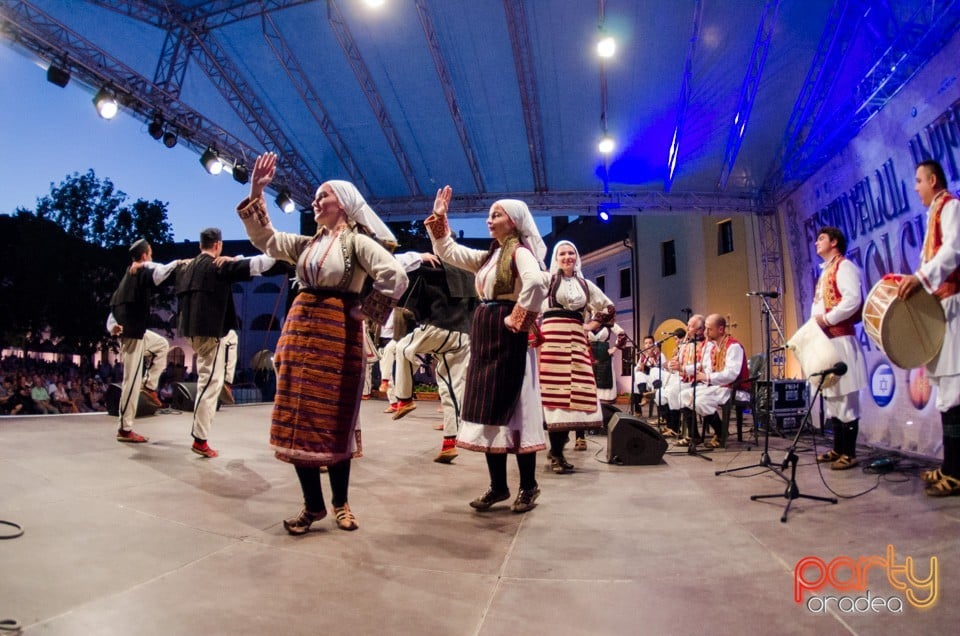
point(8, 624)
point(17, 530)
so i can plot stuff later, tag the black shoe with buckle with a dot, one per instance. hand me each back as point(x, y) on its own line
point(526, 500)
point(560, 465)
point(489, 498)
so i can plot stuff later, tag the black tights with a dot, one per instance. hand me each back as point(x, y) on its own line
point(497, 466)
point(313, 492)
point(558, 439)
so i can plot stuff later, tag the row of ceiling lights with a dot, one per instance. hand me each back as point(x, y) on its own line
point(107, 106)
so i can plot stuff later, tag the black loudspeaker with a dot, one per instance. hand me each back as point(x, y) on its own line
point(184, 395)
point(608, 410)
point(632, 442)
point(111, 398)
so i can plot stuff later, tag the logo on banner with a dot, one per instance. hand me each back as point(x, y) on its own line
point(882, 384)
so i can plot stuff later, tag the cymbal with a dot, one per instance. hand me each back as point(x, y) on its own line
point(669, 325)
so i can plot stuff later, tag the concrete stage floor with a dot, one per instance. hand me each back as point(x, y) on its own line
point(154, 540)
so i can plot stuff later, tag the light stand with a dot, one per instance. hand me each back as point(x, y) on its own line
point(768, 407)
point(692, 446)
point(792, 491)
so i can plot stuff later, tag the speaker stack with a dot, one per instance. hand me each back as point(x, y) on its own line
point(145, 406)
point(632, 442)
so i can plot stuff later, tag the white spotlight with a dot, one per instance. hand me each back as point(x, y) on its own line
point(374, 4)
point(606, 145)
point(106, 103)
point(606, 47)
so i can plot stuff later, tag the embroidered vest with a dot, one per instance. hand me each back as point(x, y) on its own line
point(684, 354)
point(718, 360)
point(932, 244)
point(828, 289)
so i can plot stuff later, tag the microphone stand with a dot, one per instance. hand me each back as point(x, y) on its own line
point(692, 446)
point(658, 383)
point(792, 491)
point(768, 405)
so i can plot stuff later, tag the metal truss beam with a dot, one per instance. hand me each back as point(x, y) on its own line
point(918, 40)
point(300, 80)
point(433, 43)
point(41, 35)
point(769, 252)
point(213, 15)
point(227, 79)
point(824, 70)
point(369, 88)
point(579, 202)
point(174, 58)
point(527, 80)
point(748, 92)
point(684, 99)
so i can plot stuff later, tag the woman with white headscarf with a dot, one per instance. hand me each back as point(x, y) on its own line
point(319, 357)
point(574, 307)
point(501, 411)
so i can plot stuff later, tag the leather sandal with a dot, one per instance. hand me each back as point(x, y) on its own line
point(580, 444)
point(829, 456)
point(931, 476)
point(712, 443)
point(682, 442)
point(489, 498)
point(845, 462)
point(345, 518)
point(944, 487)
point(301, 523)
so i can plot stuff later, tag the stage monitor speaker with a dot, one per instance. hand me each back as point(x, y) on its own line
point(184, 395)
point(608, 410)
point(632, 442)
point(111, 398)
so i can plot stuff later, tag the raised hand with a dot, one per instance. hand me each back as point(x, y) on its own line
point(442, 203)
point(264, 170)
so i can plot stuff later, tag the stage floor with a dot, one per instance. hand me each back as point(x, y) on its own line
point(154, 540)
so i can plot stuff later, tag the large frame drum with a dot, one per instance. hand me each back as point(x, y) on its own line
point(910, 332)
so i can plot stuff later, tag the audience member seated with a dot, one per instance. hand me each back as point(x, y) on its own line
point(41, 399)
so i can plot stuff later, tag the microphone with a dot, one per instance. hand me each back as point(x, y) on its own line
point(676, 333)
point(838, 369)
point(764, 294)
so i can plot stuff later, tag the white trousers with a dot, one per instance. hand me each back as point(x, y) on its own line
point(452, 351)
point(210, 374)
point(133, 353)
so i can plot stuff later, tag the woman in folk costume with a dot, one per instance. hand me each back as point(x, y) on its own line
point(573, 308)
point(501, 411)
point(320, 357)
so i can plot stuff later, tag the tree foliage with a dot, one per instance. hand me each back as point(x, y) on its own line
point(60, 266)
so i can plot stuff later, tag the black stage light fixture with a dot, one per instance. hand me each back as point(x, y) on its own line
point(58, 75)
point(210, 159)
point(170, 137)
point(241, 174)
point(106, 103)
point(155, 128)
point(285, 202)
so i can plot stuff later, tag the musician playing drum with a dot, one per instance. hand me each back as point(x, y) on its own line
point(939, 274)
point(836, 308)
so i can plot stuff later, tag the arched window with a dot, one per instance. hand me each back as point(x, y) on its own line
point(265, 322)
point(267, 288)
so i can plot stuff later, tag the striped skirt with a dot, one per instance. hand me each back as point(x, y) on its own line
point(319, 362)
point(497, 364)
point(566, 374)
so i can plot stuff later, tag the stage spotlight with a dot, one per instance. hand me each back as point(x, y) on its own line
point(106, 103)
point(241, 174)
point(210, 159)
point(57, 75)
point(606, 47)
point(170, 137)
point(374, 4)
point(155, 128)
point(606, 145)
point(285, 202)
point(603, 215)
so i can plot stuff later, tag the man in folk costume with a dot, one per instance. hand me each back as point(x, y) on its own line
point(724, 365)
point(837, 304)
point(939, 274)
point(207, 314)
point(130, 308)
point(678, 374)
